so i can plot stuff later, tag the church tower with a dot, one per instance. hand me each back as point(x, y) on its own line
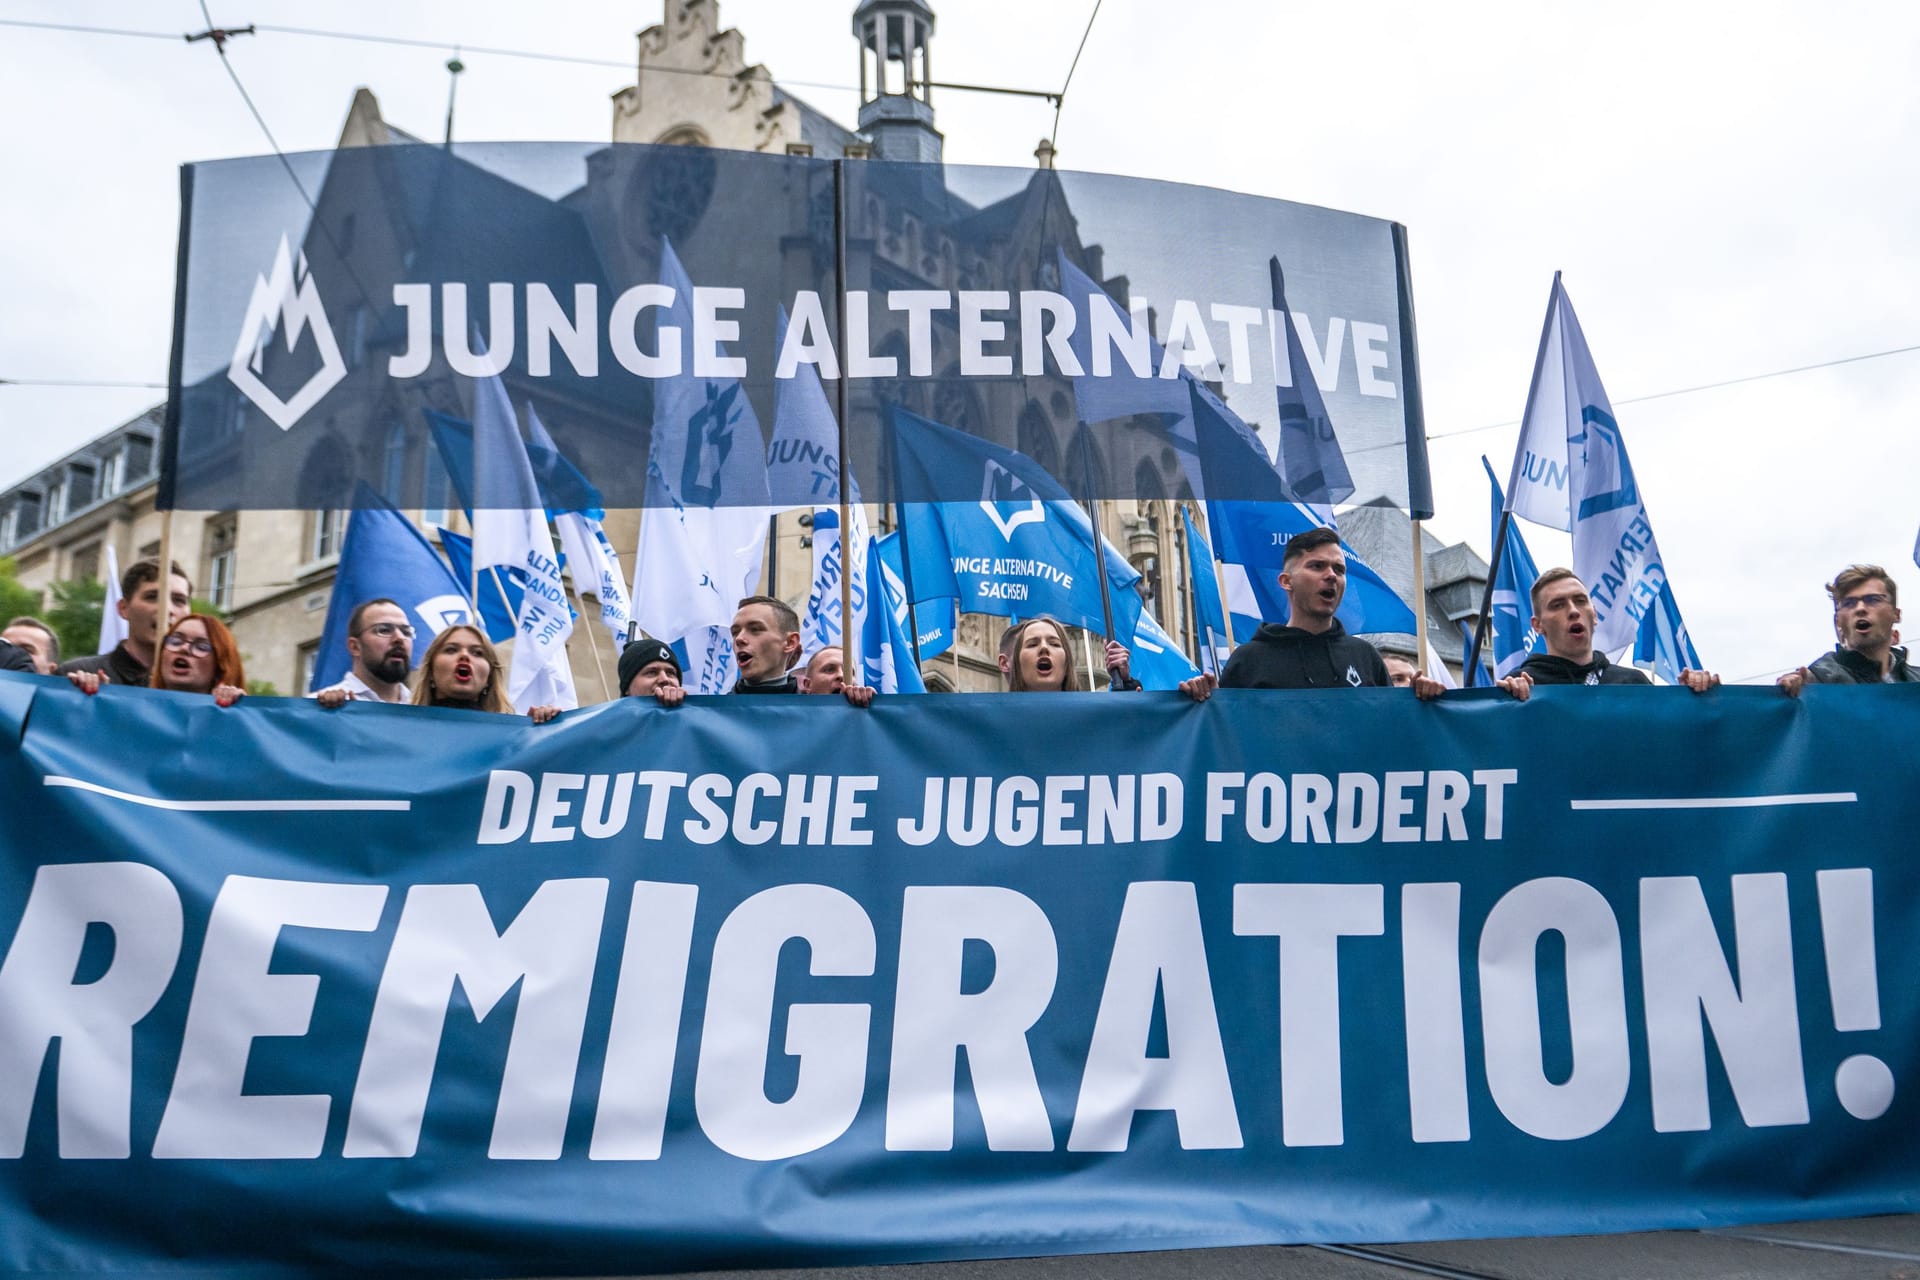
point(896, 102)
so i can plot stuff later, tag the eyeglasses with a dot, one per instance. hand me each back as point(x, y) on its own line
point(200, 647)
point(387, 630)
point(1872, 600)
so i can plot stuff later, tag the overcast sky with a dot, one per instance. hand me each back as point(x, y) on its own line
point(1729, 189)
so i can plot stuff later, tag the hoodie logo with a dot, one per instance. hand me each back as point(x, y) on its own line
point(285, 300)
point(1353, 677)
point(1593, 677)
point(1000, 492)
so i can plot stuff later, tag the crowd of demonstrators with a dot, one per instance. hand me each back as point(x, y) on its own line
point(37, 640)
point(141, 591)
point(461, 667)
point(649, 668)
point(1866, 613)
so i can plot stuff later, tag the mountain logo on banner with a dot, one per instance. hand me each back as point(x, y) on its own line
point(285, 301)
point(1001, 487)
point(710, 437)
point(1597, 422)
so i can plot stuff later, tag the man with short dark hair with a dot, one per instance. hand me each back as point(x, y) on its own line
point(38, 639)
point(1563, 614)
point(380, 641)
point(131, 661)
point(1400, 670)
point(1312, 651)
point(1866, 613)
point(650, 668)
point(766, 644)
point(826, 672)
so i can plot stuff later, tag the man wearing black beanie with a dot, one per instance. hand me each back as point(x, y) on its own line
point(650, 667)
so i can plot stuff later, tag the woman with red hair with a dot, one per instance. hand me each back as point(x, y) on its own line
point(199, 655)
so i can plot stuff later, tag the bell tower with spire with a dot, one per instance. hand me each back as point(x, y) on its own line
point(896, 101)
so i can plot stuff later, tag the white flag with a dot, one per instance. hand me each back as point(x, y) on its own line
point(703, 536)
point(804, 469)
point(1570, 471)
point(510, 535)
point(590, 557)
point(113, 627)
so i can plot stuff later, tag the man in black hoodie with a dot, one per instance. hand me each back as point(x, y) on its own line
point(1313, 651)
point(1563, 615)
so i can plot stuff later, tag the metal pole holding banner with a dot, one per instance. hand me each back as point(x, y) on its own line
point(166, 586)
point(849, 634)
point(1419, 595)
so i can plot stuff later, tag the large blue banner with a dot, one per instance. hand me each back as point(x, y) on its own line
point(759, 981)
point(623, 291)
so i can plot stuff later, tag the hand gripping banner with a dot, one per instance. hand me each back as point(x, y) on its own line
point(1060, 314)
point(763, 981)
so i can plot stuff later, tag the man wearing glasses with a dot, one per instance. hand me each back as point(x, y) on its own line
point(1865, 612)
point(381, 641)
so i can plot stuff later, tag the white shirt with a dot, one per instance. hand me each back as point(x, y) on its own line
point(361, 691)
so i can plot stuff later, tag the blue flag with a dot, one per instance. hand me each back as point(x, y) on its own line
point(1210, 616)
point(562, 486)
point(1311, 463)
point(1663, 642)
point(1476, 676)
point(1255, 534)
point(936, 616)
point(1510, 633)
point(385, 556)
point(499, 599)
point(886, 648)
point(1025, 548)
point(1156, 660)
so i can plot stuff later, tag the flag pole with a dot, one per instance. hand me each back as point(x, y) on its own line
point(599, 664)
point(1419, 594)
point(166, 586)
point(1099, 538)
point(849, 634)
point(906, 575)
point(1189, 608)
point(1486, 597)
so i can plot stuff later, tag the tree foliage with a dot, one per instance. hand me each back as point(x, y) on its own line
point(74, 615)
point(15, 599)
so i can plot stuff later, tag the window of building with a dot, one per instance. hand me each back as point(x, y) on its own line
point(326, 529)
point(80, 478)
point(221, 538)
point(57, 502)
point(85, 564)
point(304, 663)
point(113, 473)
point(9, 523)
point(139, 460)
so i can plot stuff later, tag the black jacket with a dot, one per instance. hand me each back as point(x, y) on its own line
point(1280, 657)
point(790, 685)
point(1844, 666)
point(1544, 668)
point(14, 658)
point(121, 666)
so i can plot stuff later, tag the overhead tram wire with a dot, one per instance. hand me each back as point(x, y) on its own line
point(405, 42)
point(1060, 102)
point(77, 382)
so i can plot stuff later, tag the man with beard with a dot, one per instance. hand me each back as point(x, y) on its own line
point(1866, 609)
point(1312, 651)
point(1563, 615)
point(381, 641)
